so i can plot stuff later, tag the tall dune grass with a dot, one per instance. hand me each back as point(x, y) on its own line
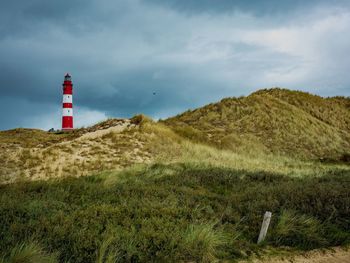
point(29, 253)
point(169, 147)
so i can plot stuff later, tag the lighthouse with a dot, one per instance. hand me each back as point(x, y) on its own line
point(67, 113)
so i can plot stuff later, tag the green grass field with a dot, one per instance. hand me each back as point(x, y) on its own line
point(178, 212)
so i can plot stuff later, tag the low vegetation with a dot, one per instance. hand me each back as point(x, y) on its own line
point(175, 212)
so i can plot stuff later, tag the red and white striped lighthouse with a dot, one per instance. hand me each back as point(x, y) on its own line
point(67, 113)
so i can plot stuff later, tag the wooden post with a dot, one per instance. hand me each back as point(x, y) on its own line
point(264, 226)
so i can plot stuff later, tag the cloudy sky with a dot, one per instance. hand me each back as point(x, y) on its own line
point(188, 52)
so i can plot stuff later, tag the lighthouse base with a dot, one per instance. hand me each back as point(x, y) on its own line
point(67, 122)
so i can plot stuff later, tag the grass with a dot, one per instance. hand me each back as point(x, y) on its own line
point(29, 253)
point(201, 242)
point(213, 173)
point(33, 137)
point(175, 212)
point(273, 130)
point(113, 150)
point(278, 121)
point(299, 230)
point(106, 253)
point(167, 147)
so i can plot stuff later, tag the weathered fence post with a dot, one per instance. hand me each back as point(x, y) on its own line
point(264, 226)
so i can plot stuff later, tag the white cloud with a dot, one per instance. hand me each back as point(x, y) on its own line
point(85, 117)
point(316, 45)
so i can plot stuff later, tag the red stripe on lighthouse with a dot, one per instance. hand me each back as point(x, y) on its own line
point(68, 91)
point(67, 122)
point(67, 105)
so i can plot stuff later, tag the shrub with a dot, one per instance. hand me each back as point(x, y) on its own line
point(106, 253)
point(29, 253)
point(140, 119)
point(300, 231)
point(202, 242)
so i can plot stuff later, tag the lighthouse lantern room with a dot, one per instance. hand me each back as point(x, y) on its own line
point(67, 113)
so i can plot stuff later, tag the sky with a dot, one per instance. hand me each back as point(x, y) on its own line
point(163, 57)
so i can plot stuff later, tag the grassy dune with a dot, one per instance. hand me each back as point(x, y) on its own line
point(195, 203)
point(279, 121)
point(168, 147)
point(31, 154)
point(192, 188)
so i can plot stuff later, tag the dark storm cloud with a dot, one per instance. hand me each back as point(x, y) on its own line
point(121, 53)
point(24, 18)
point(257, 7)
point(149, 90)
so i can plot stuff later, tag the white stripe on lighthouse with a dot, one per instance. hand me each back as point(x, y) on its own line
point(67, 112)
point(67, 98)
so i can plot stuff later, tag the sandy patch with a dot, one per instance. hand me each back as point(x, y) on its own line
point(99, 133)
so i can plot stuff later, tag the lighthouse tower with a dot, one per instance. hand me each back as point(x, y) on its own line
point(67, 113)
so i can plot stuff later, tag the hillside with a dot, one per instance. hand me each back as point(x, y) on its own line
point(36, 154)
point(279, 121)
point(273, 125)
point(192, 188)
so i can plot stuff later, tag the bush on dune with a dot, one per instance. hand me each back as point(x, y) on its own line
point(300, 231)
